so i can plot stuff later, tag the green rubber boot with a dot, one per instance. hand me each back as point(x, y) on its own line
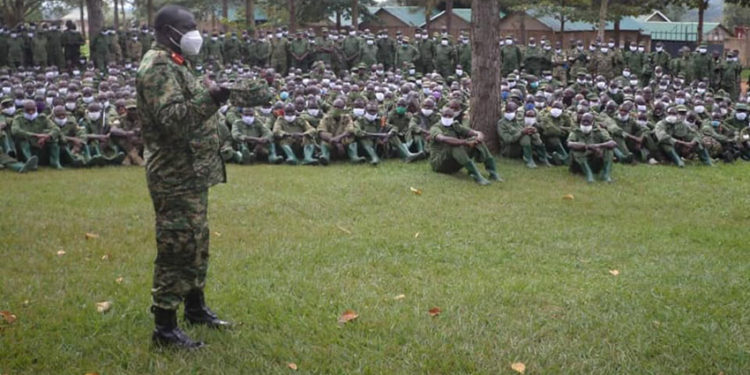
point(587, 171)
point(97, 159)
point(528, 157)
point(325, 155)
point(374, 159)
point(26, 150)
point(272, 157)
point(491, 167)
point(621, 157)
point(541, 152)
point(705, 157)
point(30, 165)
point(351, 150)
point(407, 156)
point(564, 156)
point(75, 160)
point(309, 150)
point(606, 174)
point(291, 159)
point(474, 173)
point(54, 156)
point(676, 159)
point(420, 145)
point(238, 157)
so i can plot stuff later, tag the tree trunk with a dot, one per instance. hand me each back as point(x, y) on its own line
point(250, 15)
point(224, 14)
point(449, 15)
point(602, 19)
point(617, 33)
point(485, 63)
point(96, 17)
point(122, 17)
point(355, 14)
point(292, 17)
point(116, 18)
point(150, 12)
point(523, 27)
point(561, 38)
point(338, 20)
point(427, 20)
point(701, 9)
point(83, 20)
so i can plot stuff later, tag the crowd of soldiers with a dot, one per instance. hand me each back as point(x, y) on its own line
point(364, 97)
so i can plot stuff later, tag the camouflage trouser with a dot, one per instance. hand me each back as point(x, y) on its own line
point(181, 246)
point(596, 162)
point(452, 159)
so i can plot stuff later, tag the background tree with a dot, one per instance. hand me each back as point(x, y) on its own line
point(485, 63)
point(736, 15)
point(96, 16)
point(15, 12)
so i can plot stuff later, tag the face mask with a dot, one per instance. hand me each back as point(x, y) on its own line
point(511, 84)
point(581, 81)
point(611, 45)
point(48, 100)
point(10, 111)
point(633, 48)
point(547, 78)
point(641, 123)
point(509, 42)
point(700, 109)
point(371, 116)
point(284, 95)
point(534, 85)
point(411, 72)
point(290, 118)
point(528, 106)
point(658, 49)
point(633, 82)
point(740, 116)
point(509, 116)
point(605, 49)
point(555, 112)
point(370, 42)
point(626, 73)
point(88, 99)
point(358, 111)
point(248, 119)
point(504, 95)
point(427, 112)
point(400, 110)
point(679, 100)
point(31, 117)
point(190, 42)
point(459, 72)
point(60, 121)
point(265, 111)
point(715, 123)
point(379, 96)
point(641, 108)
point(446, 121)
point(18, 102)
point(641, 49)
point(587, 129)
point(539, 104)
point(671, 119)
point(601, 85)
point(701, 91)
point(6, 90)
point(529, 121)
point(623, 118)
point(444, 42)
point(702, 50)
point(313, 112)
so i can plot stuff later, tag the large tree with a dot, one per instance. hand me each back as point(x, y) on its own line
point(485, 64)
point(96, 16)
point(15, 11)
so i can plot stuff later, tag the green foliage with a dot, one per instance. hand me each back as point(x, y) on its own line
point(312, 10)
point(743, 3)
point(519, 273)
point(735, 15)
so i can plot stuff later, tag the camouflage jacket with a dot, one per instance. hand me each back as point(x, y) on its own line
point(180, 122)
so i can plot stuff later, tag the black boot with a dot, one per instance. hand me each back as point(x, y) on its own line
point(167, 334)
point(196, 311)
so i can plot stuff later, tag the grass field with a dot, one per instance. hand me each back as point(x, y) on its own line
point(648, 275)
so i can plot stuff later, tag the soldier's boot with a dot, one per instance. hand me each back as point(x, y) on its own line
point(705, 157)
point(136, 159)
point(97, 159)
point(196, 311)
point(291, 159)
point(54, 156)
point(26, 150)
point(491, 167)
point(7, 146)
point(374, 159)
point(619, 155)
point(563, 155)
point(606, 174)
point(167, 334)
point(238, 157)
point(587, 171)
point(272, 157)
point(406, 155)
point(351, 150)
point(117, 158)
point(86, 155)
point(474, 173)
point(420, 146)
point(325, 155)
point(30, 165)
point(727, 156)
point(541, 152)
point(75, 160)
point(676, 159)
point(308, 151)
point(528, 157)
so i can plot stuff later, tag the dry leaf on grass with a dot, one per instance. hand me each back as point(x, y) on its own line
point(415, 191)
point(26, 303)
point(105, 257)
point(217, 234)
point(568, 197)
point(60, 253)
point(614, 272)
point(348, 315)
point(92, 373)
point(518, 367)
point(91, 236)
point(292, 366)
point(8, 316)
point(343, 229)
point(416, 235)
point(119, 280)
point(435, 311)
point(103, 307)
point(399, 297)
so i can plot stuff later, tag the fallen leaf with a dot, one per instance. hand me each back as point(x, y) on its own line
point(348, 315)
point(91, 236)
point(343, 229)
point(518, 367)
point(105, 257)
point(60, 253)
point(292, 366)
point(614, 272)
point(26, 303)
point(119, 280)
point(416, 235)
point(217, 234)
point(568, 197)
point(92, 373)
point(8, 316)
point(415, 191)
point(399, 297)
point(103, 307)
point(435, 311)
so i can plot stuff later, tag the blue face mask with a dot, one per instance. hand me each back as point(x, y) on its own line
point(528, 106)
point(284, 95)
point(534, 85)
point(715, 124)
point(505, 94)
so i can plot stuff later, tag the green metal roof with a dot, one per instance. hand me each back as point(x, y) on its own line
point(462, 13)
point(412, 16)
point(676, 31)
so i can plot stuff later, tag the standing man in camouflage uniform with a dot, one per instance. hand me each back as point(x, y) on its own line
point(180, 119)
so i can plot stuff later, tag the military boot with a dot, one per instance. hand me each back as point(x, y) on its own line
point(676, 159)
point(272, 157)
point(705, 157)
point(491, 167)
point(406, 155)
point(291, 159)
point(420, 146)
point(196, 311)
point(75, 160)
point(587, 171)
point(541, 152)
point(30, 165)
point(167, 334)
point(528, 157)
point(606, 174)
point(351, 150)
point(325, 155)
point(238, 157)
point(374, 159)
point(26, 150)
point(621, 157)
point(97, 159)
point(474, 173)
point(54, 156)
point(308, 151)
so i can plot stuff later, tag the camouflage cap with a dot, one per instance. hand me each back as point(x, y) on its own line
point(681, 108)
point(740, 106)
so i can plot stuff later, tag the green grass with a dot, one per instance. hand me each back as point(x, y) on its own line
point(520, 273)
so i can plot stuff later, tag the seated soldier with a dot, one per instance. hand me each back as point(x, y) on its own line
point(636, 134)
point(453, 146)
point(554, 126)
point(337, 133)
point(97, 136)
point(7, 161)
point(517, 138)
point(295, 134)
point(254, 140)
point(743, 139)
point(676, 139)
point(7, 145)
point(397, 124)
point(36, 135)
point(126, 132)
point(420, 124)
point(591, 147)
point(716, 141)
point(74, 149)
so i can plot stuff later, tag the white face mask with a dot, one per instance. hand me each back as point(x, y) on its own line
point(587, 129)
point(601, 85)
point(509, 116)
point(740, 116)
point(190, 42)
point(633, 48)
point(10, 111)
point(379, 96)
point(249, 120)
point(265, 111)
point(411, 72)
point(48, 100)
point(459, 72)
point(446, 121)
point(700, 109)
point(6, 90)
point(641, 49)
point(371, 116)
point(370, 42)
point(93, 116)
point(623, 118)
point(63, 91)
point(509, 42)
point(633, 82)
point(31, 117)
point(641, 108)
point(605, 49)
point(626, 73)
point(88, 99)
point(529, 121)
point(679, 100)
point(658, 49)
point(547, 78)
point(444, 42)
point(426, 112)
point(290, 118)
point(358, 111)
point(642, 123)
point(555, 112)
point(671, 119)
point(313, 112)
point(511, 84)
point(702, 50)
point(611, 45)
point(60, 121)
